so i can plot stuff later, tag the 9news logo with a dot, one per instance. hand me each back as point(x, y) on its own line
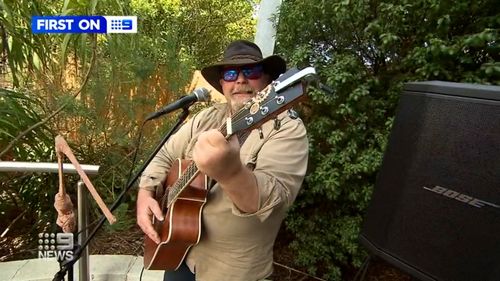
point(55, 245)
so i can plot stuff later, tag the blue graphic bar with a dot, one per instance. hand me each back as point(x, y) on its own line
point(68, 24)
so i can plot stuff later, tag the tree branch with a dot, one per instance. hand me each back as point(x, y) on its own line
point(12, 223)
point(298, 271)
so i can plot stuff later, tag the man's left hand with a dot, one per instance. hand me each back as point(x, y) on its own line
point(217, 157)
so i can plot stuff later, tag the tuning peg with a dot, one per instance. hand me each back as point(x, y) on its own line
point(293, 114)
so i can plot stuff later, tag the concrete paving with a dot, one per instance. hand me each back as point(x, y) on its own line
point(101, 268)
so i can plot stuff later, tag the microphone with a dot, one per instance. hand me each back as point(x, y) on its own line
point(200, 94)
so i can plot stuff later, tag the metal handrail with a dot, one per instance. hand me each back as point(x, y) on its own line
point(43, 167)
point(39, 167)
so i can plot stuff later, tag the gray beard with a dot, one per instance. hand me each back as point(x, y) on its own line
point(236, 107)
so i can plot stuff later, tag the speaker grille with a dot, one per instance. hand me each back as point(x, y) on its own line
point(435, 209)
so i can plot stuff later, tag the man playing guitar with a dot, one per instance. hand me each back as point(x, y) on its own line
point(255, 177)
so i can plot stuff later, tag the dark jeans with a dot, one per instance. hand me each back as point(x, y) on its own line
point(181, 274)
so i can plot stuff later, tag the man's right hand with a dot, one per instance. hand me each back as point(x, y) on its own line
point(146, 207)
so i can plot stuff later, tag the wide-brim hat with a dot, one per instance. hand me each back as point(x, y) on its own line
point(242, 52)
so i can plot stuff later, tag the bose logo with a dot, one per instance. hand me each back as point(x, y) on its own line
point(460, 197)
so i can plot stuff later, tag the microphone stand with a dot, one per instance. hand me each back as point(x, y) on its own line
point(66, 266)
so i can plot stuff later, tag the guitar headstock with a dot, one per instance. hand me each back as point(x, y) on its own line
point(277, 97)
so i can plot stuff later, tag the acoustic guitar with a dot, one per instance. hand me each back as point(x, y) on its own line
point(185, 189)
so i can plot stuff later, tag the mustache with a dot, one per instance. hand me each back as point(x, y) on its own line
point(243, 89)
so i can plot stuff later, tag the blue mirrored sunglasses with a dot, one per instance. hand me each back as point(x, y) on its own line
point(231, 73)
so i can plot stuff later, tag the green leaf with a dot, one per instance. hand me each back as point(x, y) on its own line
point(36, 61)
point(65, 10)
point(64, 48)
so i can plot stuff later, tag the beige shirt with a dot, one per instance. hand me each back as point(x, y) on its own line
point(234, 245)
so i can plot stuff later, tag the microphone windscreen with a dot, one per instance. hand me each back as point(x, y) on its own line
point(203, 94)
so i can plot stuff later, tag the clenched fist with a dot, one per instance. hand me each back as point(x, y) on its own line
point(217, 157)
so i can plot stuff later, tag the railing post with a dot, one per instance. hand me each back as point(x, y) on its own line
point(83, 262)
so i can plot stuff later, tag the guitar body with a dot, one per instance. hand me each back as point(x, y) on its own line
point(181, 228)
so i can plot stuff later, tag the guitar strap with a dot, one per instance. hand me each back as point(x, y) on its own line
point(242, 136)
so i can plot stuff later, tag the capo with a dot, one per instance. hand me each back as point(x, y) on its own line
point(229, 127)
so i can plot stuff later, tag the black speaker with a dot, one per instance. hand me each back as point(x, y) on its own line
point(435, 210)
